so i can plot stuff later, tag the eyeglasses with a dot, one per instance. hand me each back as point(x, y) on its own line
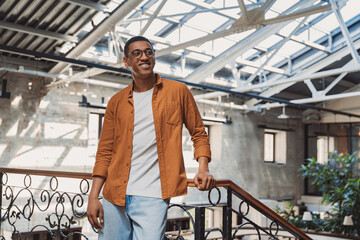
point(137, 53)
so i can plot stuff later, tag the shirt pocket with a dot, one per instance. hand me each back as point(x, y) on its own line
point(173, 113)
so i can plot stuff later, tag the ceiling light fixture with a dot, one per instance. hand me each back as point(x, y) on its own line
point(283, 114)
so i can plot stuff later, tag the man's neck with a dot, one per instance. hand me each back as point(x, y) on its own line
point(144, 84)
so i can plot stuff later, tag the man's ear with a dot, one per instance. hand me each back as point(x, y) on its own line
point(125, 62)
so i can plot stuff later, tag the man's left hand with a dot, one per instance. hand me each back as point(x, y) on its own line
point(204, 181)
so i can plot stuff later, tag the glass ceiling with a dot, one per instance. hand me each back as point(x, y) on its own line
point(236, 44)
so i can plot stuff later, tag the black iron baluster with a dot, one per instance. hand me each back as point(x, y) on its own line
point(199, 223)
point(227, 216)
point(1, 184)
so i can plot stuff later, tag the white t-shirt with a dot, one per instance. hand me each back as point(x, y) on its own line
point(144, 178)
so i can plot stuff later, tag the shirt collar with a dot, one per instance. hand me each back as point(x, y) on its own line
point(157, 84)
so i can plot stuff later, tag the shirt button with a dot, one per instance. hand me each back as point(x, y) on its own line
point(132, 111)
point(130, 129)
point(124, 181)
point(127, 164)
point(129, 147)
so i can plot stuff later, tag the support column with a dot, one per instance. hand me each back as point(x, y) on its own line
point(227, 217)
point(199, 223)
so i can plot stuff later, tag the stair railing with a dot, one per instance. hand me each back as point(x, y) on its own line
point(11, 210)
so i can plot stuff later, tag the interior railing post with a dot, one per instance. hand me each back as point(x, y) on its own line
point(227, 216)
point(199, 223)
point(1, 188)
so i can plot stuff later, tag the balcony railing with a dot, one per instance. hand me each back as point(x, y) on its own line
point(34, 203)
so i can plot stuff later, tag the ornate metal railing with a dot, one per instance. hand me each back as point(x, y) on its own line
point(60, 213)
point(60, 210)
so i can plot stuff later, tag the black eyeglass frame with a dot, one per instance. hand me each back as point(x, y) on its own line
point(141, 52)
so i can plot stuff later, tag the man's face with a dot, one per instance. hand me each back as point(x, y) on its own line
point(139, 59)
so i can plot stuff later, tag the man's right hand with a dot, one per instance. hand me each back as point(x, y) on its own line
point(95, 211)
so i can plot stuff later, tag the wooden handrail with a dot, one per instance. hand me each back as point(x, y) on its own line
point(257, 205)
point(219, 183)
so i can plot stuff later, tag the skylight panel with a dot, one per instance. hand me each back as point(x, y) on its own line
point(154, 26)
point(174, 7)
point(221, 45)
point(282, 5)
point(248, 53)
point(248, 69)
point(270, 41)
point(135, 27)
point(173, 36)
point(275, 59)
point(311, 35)
point(207, 21)
point(232, 11)
point(350, 10)
point(187, 34)
point(329, 23)
point(313, 16)
point(289, 28)
point(207, 47)
point(271, 14)
point(290, 48)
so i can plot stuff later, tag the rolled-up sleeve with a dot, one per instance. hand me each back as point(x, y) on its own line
point(195, 126)
point(106, 143)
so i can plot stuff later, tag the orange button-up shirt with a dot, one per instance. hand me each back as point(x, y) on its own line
point(173, 105)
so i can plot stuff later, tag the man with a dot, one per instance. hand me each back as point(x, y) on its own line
point(139, 157)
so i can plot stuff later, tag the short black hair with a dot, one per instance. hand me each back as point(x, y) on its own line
point(135, 39)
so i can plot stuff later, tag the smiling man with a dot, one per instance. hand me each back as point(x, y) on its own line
point(139, 157)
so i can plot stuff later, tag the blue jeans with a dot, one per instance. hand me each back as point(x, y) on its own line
point(142, 218)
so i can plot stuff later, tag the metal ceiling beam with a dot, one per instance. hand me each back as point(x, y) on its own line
point(271, 99)
point(313, 99)
point(258, 14)
point(345, 31)
point(206, 54)
point(302, 13)
point(210, 95)
point(223, 33)
point(37, 32)
point(306, 72)
point(253, 76)
point(306, 42)
point(16, 61)
point(152, 18)
point(237, 49)
point(260, 66)
point(193, 42)
point(204, 5)
point(294, 79)
point(127, 72)
point(56, 58)
point(311, 87)
point(344, 82)
point(212, 10)
point(307, 25)
point(105, 26)
point(333, 83)
point(267, 5)
point(242, 8)
point(222, 104)
point(88, 4)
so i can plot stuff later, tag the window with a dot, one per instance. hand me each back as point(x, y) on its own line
point(324, 145)
point(275, 146)
point(269, 147)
